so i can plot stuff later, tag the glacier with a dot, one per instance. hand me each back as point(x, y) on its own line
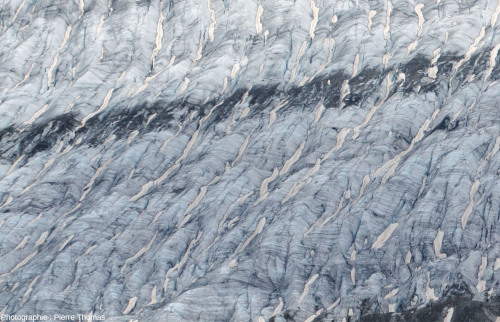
point(306, 160)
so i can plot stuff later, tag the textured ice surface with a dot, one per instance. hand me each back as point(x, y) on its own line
point(243, 160)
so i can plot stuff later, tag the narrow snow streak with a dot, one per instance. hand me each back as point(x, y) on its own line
point(22, 243)
point(314, 316)
point(306, 288)
point(42, 238)
point(130, 306)
point(391, 294)
point(297, 63)
point(91, 182)
point(30, 288)
point(366, 181)
point(429, 292)
point(438, 241)
point(199, 51)
point(319, 112)
point(258, 24)
point(339, 207)
point(159, 36)
point(418, 10)
point(331, 42)
point(408, 257)
point(278, 308)
point(65, 243)
point(481, 284)
point(468, 210)
point(201, 194)
point(472, 49)
point(104, 104)
point(314, 22)
point(265, 183)
point(386, 234)
point(493, 61)
point(388, 20)
point(213, 22)
point(99, 26)
point(386, 58)
point(13, 166)
point(494, 17)
point(257, 231)
point(145, 84)
point(235, 70)
point(153, 296)
point(241, 150)
point(340, 141)
point(372, 111)
point(19, 10)
point(371, 14)
point(273, 113)
point(392, 164)
point(81, 8)
point(235, 204)
point(449, 315)
point(294, 158)
point(182, 261)
point(355, 66)
point(56, 57)
point(24, 79)
point(24, 262)
point(36, 115)
point(334, 304)
point(145, 188)
point(184, 85)
point(497, 264)
point(142, 250)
